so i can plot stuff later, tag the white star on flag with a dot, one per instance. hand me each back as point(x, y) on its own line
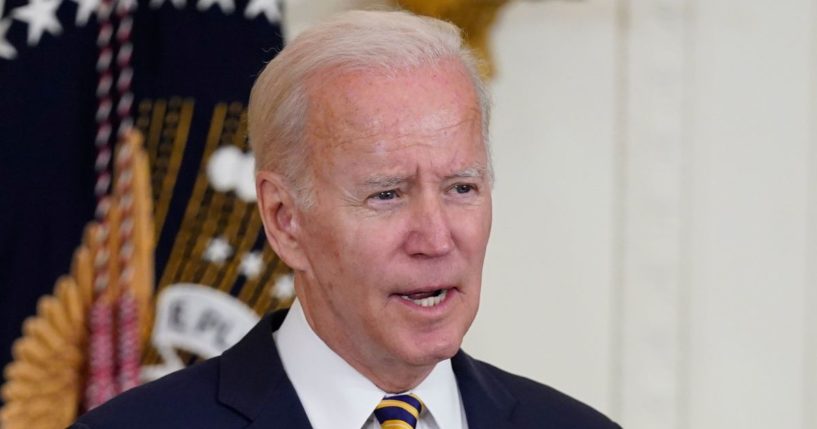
point(269, 8)
point(284, 287)
point(251, 265)
point(7, 51)
point(41, 16)
point(218, 250)
point(178, 4)
point(227, 6)
point(84, 10)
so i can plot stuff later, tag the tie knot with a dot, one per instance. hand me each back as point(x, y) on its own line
point(399, 411)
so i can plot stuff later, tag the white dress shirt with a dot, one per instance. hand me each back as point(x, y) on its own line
point(336, 396)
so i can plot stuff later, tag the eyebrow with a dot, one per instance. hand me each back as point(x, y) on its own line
point(385, 181)
point(381, 182)
point(469, 173)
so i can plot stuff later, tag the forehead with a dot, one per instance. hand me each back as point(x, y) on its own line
point(361, 106)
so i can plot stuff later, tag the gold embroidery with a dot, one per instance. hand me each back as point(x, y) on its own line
point(185, 244)
point(173, 164)
point(209, 214)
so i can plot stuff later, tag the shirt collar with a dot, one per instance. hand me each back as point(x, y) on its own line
point(347, 401)
point(441, 396)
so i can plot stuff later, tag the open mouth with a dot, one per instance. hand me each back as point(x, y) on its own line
point(426, 299)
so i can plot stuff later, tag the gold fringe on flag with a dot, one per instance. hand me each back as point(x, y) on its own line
point(47, 380)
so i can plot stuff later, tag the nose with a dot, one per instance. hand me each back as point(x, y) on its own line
point(430, 234)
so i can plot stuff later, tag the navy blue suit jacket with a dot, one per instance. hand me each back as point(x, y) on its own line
point(247, 387)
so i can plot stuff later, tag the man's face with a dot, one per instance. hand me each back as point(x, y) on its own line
point(396, 238)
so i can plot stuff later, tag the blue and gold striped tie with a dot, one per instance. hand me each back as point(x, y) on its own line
point(399, 412)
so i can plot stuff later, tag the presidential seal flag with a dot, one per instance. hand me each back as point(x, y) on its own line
point(77, 77)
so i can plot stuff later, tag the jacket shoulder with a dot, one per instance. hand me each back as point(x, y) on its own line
point(181, 399)
point(540, 403)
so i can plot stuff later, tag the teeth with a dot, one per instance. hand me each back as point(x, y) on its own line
point(428, 302)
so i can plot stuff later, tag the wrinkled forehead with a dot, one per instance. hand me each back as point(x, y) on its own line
point(345, 106)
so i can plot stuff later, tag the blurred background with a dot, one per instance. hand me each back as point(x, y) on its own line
point(655, 211)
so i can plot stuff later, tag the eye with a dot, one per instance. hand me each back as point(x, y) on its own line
point(463, 188)
point(385, 195)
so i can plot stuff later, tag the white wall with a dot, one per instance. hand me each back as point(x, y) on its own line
point(548, 291)
point(655, 231)
point(751, 140)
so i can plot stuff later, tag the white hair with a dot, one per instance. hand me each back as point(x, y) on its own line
point(380, 40)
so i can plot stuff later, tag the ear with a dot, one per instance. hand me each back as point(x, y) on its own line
point(281, 219)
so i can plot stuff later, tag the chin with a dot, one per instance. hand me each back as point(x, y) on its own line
point(431, 353)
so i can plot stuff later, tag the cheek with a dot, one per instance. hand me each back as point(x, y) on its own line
point(473, 230)
point(378, 234)
point(359, 253)
point(326, 248)
point(374, 255)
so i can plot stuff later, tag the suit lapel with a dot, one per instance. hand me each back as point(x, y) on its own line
point(252, 380)
point(283, 410)
point(488, 404)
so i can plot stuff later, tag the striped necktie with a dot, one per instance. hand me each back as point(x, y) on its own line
point(399, 411)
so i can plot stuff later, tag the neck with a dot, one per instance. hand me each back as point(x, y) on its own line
point(394, 378)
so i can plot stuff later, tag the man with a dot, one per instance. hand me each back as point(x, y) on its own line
point(374, 185)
